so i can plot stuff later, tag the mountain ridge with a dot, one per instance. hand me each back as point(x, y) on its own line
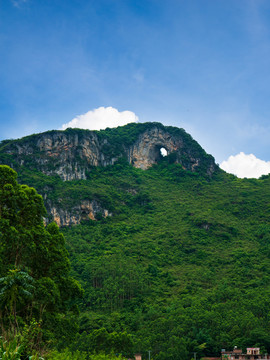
point(72, 153)
point(75, 154)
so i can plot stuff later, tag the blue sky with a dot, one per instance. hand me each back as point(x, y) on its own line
point(202, 65)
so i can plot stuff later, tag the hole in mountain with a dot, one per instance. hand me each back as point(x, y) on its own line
point(163, 152)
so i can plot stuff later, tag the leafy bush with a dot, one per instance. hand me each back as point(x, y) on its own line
point(10, 350)
point(14, 349)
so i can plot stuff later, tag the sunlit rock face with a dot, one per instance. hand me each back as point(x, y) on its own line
point(83, 211)
point(146, 150)
point(71, 154)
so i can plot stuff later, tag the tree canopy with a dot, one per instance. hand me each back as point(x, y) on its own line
point(35, 278)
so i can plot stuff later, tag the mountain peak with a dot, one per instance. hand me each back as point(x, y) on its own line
point(72, 153)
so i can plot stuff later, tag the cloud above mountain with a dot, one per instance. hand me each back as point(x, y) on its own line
point(101, 118)
point(243, 165)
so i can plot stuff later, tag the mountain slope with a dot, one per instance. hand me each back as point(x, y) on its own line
point(177, 258)
point(75, 154)
point(191, 263)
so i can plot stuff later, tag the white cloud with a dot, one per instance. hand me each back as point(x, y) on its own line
point(248, 166)
point(101, 118)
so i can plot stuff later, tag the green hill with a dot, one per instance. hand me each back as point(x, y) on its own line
point(179, 263)
point(183, 263)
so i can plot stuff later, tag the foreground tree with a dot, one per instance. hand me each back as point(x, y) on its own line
point(34, 265)
point(16, 289)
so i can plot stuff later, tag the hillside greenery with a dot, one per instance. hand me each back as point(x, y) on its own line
point(181, 266)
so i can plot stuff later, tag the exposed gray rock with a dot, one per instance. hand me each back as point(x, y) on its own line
point(84, 211)
point(72, 154)
point(145, 152)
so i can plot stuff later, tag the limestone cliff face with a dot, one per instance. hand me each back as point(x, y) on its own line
point(72, 153)
point(145, 152)
point(83, 211)
point(65, 154)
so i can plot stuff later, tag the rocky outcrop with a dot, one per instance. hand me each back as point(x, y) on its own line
point(145, 152)
point(71, 154)
point(84, 211)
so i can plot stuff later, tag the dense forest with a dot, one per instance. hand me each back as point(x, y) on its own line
point(181, 265)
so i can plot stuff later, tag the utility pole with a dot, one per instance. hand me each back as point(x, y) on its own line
point(195, 355)
point(149, 351)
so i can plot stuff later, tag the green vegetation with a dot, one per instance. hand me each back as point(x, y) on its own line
point(181, 266)
point(35, 285)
